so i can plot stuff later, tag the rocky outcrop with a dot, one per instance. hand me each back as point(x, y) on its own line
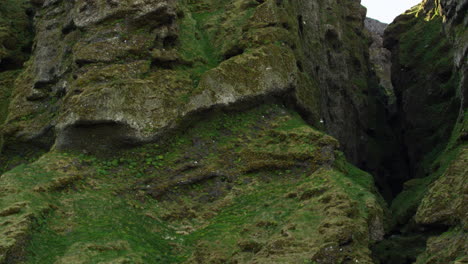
point(141, 68)
point(456, 21)
point(107, 75)
point(375, 26)
point(334, 59)
point(380, 58)
point(136, 69)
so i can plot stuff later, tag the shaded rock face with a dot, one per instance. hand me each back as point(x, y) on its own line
point(426, 83)
point(390, 167)
point(15, 33)
point(335, 59)
point(148, 66)
point(15, 44)
point(352, 105)
point(380, 58)
point(442, 204)
point(456, 21)
point(428, 45)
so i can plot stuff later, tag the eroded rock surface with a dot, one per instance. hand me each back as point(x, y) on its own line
point(142, 67)
point(429, 75)
point(380, 57)
point(256, 186)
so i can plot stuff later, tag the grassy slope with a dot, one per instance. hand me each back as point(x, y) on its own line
point(241, 203)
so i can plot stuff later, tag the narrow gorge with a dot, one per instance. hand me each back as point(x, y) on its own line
point(232, 131)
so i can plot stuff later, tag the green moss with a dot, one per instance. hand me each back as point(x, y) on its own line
point(260, 185)
point(99, 218)
point(404, 206)
point(6, 88)
point(196, 46)
point(427, 52)
point(15, 32)
point(447, 247)
point(399, 249)
point(203, 33)
point(198, 197)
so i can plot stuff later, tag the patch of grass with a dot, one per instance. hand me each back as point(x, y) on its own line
point(99, 217)
point(105, 208)
point(196, 44)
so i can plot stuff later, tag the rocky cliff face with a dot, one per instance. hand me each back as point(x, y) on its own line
point(380, 59)
point(177, 59)
point(107, 75)
point(428, 45)
point(164, 131)
point(15, 44)
point(414, 59)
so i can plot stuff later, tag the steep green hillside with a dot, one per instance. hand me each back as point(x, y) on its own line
point(257, 186)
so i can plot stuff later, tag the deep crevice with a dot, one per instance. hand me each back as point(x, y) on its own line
point(404, 247)
point(426, 111)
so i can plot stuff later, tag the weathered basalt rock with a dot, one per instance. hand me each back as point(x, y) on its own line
point(429, 69)
point(380, 57)
point(334, 58)
point(144, 66)
point(418, 74)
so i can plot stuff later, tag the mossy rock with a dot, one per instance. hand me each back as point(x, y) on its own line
point(197, 198)
point(15, 34)
point(443, 203)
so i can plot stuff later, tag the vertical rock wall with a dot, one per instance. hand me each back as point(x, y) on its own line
point(143, 66)
point(15, 44)
point(426, 82)
point(429, 46)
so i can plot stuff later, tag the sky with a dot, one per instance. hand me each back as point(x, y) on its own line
point(386, 10)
